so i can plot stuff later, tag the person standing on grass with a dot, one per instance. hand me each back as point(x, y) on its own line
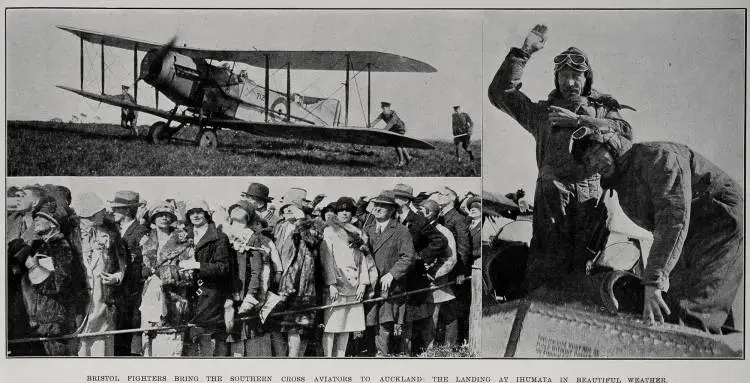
point(462, 128)
point(393, 124)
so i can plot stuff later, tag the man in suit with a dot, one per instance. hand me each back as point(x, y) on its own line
point(430, 247)
point(393, 251)
point(458, 224)
point(124, 208)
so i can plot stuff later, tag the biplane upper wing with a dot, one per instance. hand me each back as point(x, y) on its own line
point(311, 60)
point(360, 136)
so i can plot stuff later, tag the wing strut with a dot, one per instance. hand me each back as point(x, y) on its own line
point(368, 94)
point(267, 85)
point(346, 105)
point(135, 71)
point(102, 45)
point(81, 63)
point(288, 92)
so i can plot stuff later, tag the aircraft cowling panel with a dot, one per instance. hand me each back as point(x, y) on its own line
point(176, 76)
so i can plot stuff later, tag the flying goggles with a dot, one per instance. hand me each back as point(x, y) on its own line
point(573, 60)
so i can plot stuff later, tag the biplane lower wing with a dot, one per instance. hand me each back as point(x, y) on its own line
point(360, 136)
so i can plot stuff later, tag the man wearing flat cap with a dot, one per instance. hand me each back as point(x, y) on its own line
point(565, 192)
point(128, 116)
point(430, 246)
point(124, 209)
point(462, 126)
point(393, 124)
point(393, 251)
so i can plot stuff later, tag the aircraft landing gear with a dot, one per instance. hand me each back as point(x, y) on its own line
point(158, 134)
point(207, 139)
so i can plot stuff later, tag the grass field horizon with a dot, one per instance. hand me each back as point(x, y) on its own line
point(42, 148)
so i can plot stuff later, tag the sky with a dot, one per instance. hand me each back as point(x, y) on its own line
point(687, 84)
point(224, 191)
point(40, 56)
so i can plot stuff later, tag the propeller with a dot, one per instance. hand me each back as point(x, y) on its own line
point(156, 60)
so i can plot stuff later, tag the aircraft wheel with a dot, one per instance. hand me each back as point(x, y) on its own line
point(207, 139)
point(158, 133)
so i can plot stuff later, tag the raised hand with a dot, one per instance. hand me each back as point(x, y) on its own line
point(535, 39)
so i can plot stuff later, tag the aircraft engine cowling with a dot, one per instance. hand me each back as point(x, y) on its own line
point(173, 74)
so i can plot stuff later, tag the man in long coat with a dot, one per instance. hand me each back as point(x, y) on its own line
point(565, 193)
point(393, 253)
point(429, 246)
point(696, 214)
point(124, 208)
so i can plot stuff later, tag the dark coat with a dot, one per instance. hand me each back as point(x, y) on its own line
point(430, 247)
point(50, 304)
point(133, 283)
point(458, 224)
point(213, 280)
point(393, 253)
point(696, 213)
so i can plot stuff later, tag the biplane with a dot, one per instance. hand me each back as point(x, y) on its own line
point(210, 96)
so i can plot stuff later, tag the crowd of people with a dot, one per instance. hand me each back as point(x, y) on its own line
point(192, 279)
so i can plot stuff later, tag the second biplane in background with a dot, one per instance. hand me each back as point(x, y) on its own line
point(213, 97)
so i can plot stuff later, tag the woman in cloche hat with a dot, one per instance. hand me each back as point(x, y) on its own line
point(165, 293)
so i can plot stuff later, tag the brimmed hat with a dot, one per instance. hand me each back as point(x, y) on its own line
point(163, 207)
point(197, 204)
point(345, 204)
point(296, 197)
point(456, 107)
point(46, 208)
point(245, 206)
point(87, 204)
point(125, 86)
point(385, 104)
point(258, 191)
point(125, 198)
point(387, 197)
point(404, 191)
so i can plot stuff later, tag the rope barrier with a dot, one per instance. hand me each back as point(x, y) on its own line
point(242, 319)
